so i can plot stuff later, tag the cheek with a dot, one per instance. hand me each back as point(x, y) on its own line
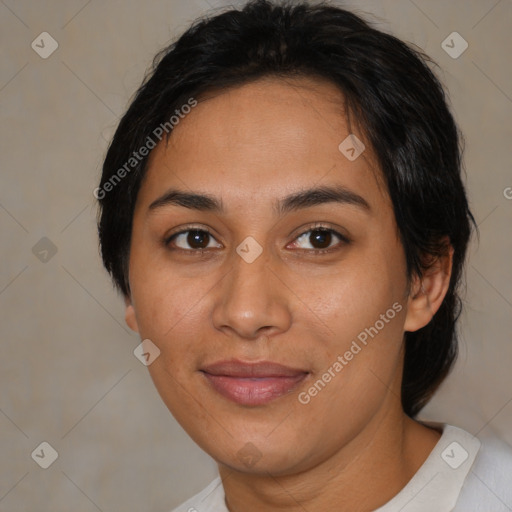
point(359, 361)
point(363, 306)
point(168, 307)
point(357, 294)
point(171, 313)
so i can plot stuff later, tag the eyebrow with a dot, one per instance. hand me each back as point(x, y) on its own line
point(296, 201)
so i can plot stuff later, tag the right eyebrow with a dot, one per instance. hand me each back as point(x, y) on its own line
point(194, 201)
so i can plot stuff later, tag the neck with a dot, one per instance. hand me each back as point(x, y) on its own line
point(361, 476)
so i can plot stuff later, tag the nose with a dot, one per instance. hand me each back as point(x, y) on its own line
point(251, 301)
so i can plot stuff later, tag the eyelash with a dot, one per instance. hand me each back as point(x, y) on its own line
point(316, 227)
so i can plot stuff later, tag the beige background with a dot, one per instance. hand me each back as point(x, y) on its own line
point(67, 369)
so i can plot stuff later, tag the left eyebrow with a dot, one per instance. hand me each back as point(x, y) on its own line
point(321, 195)
point(296, 201)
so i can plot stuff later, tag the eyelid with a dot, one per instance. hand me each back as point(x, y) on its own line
point(318, 226)
point(326, 226)
point(184, 229)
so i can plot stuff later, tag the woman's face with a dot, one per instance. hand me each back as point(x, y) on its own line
point(293, 259)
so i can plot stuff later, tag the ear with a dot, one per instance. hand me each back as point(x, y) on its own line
point(428, 292)
point(129, 314)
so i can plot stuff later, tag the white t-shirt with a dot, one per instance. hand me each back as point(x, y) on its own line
point(461, 474)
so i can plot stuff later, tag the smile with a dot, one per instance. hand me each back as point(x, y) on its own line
point(252, 383)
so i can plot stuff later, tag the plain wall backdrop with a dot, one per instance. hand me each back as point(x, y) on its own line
point(68, 375)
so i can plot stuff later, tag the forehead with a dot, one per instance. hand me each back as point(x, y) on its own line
point(270, 137)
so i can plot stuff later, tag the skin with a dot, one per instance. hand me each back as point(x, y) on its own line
point(249, 147)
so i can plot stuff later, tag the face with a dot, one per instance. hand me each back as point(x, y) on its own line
point(276, 288)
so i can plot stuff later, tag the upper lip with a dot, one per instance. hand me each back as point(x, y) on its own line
point(241, 369)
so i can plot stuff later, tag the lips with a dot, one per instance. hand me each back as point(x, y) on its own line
point(252, 383)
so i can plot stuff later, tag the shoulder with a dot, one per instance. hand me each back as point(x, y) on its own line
point(488, 485)
point(210, 499)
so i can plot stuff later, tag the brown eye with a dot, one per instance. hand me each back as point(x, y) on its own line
point(192, 240)
point(320, 238)
point(198, 239)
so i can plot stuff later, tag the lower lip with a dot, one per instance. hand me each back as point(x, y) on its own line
point(254, 390)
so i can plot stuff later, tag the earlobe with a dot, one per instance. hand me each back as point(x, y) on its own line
point(428, 292)
point(129, 315)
